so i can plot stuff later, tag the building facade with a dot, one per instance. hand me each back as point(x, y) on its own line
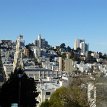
point(81, 45)
point(41, 43)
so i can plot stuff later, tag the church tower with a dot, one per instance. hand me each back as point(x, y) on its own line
point(18, 56)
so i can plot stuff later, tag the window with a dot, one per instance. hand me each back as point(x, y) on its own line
point(48, 93)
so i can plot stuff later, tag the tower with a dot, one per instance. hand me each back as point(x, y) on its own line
point(60, 63)
point(77, 43)
point(39, 41)
point(18, 62)
point(82, 47)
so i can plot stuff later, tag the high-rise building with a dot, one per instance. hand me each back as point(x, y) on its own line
point(87, 47)
point(82, 45)
point(41, 43)
point(77, 43)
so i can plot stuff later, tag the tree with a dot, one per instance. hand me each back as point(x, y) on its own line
point(62, 46)
point(71, 96)
point(68, 49)
point(45, 104)
point(78, 50)
point(56, 99)
point(19, 89)
point(63, 55)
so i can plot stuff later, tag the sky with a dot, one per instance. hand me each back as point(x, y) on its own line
point(58, 21)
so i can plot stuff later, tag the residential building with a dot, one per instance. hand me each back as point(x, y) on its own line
point(6, 44)
point(68, 65)
point(39, 73)
point(46, 87)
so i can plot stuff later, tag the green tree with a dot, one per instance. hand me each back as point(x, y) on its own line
point(63, 46)
point(45, 104)
point(19, 89)
point(63, 55)
point(70, 96)
point(56, 99)
point(68, 49)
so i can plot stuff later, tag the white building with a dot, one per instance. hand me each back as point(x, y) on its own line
point(41, 43)
point(8, 69)
point(37, 51)
point(82, 45)
point(60, 63)
point(46, 88)
point(50, 65)
point(39, 73)
point(84, 67)
point(76, 44)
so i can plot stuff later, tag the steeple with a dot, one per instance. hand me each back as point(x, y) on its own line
point(18, 56)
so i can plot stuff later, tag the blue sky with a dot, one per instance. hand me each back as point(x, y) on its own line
point(57, 20)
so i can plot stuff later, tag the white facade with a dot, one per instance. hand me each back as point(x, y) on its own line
point(8, 69)
point(60, 63)
point(82, 47)
point(37, 51)
point(91, 92)
point(46, 88)
point(38, 73)
point(50, 65)
point(84, 67)
point(76, 44)
point(18, 54)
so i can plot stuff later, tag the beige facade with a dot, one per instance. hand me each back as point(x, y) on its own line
point(68, 65)
point(26, 52)
point(60, 63)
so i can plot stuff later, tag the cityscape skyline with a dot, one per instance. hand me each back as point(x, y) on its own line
point(58, 21)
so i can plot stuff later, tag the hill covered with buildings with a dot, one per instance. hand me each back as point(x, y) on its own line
point(54, 67)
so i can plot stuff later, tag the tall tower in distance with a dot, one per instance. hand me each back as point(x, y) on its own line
point(39, 41)
point(82, 47)
point(18, 62)
point(79, 43)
